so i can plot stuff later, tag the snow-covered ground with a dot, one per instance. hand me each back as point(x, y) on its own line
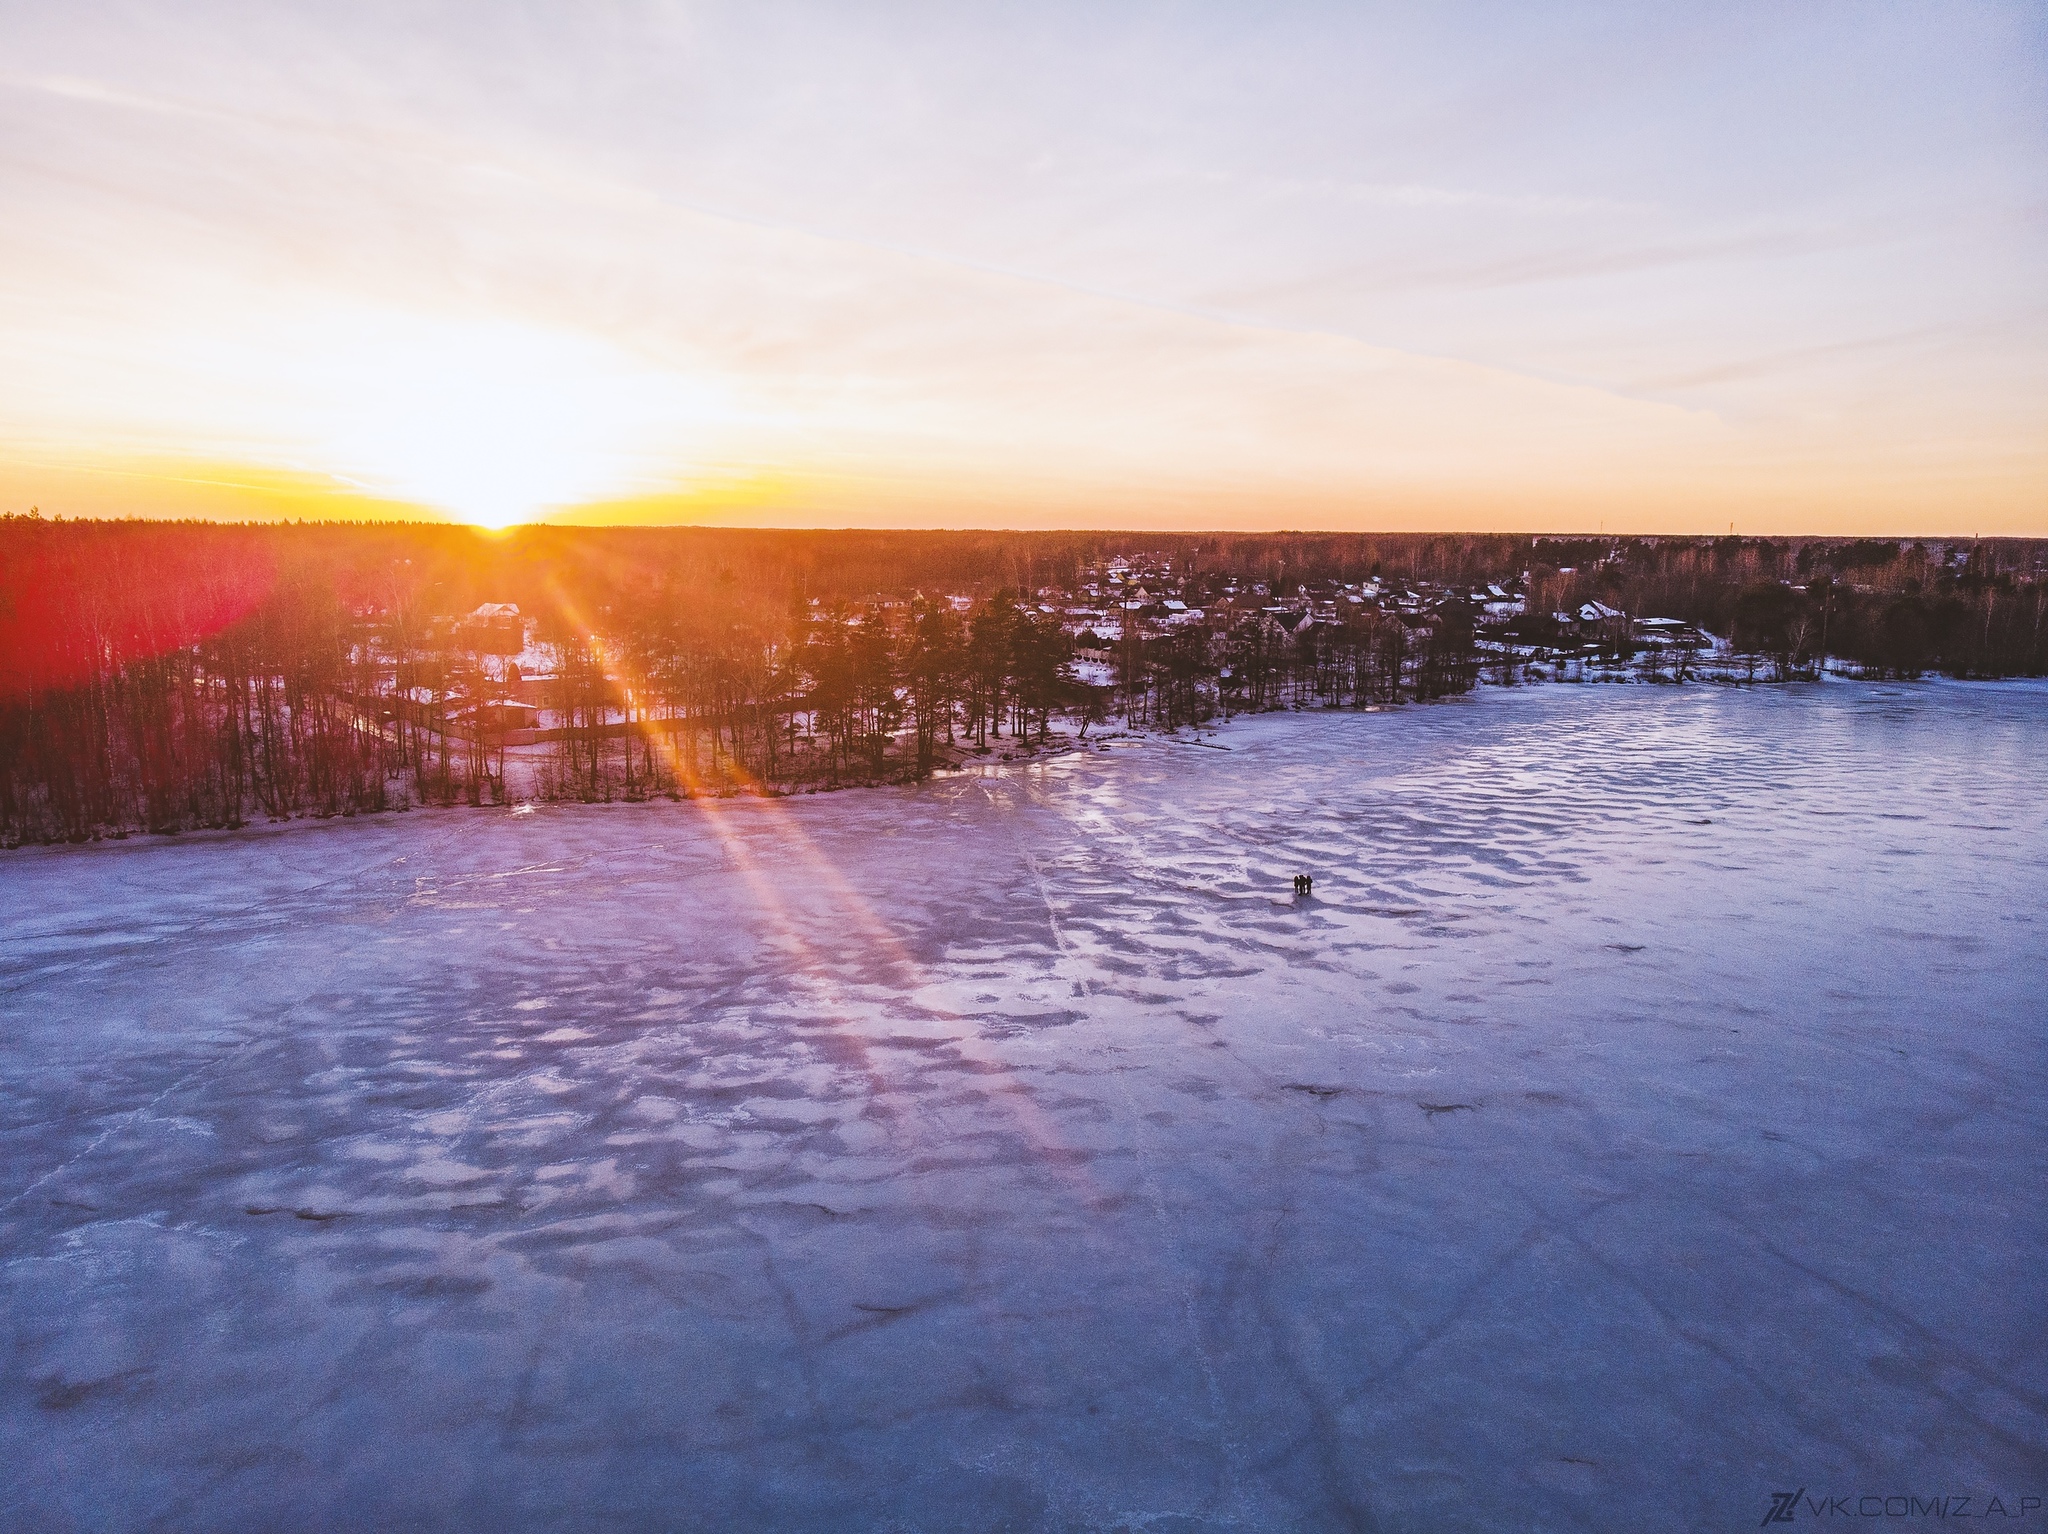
point(1643, 1116)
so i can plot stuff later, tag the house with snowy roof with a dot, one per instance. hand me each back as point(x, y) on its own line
point(495, 628)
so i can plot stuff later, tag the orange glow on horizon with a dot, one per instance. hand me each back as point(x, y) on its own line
point(1989, 504)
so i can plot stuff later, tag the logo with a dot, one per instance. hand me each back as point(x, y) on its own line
point(1785, 1506)
point(1782, 1504)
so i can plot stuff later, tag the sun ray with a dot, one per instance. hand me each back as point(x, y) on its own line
point(771, 813)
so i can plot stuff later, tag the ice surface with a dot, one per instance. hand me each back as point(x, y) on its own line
point(1644, 1115)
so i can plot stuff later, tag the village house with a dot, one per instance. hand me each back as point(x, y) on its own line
point(495, 628)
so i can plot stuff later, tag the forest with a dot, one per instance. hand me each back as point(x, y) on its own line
point(162, 677)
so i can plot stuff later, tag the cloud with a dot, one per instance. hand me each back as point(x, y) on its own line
point(1059, 259)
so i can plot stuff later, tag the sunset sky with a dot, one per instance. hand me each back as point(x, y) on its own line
point(1651, 268)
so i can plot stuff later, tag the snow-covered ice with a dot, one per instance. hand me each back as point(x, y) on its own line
point(1643, 1116)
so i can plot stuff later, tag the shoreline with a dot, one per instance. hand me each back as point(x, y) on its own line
point(996, 763)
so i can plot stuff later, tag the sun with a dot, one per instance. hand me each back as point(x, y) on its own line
point(497, 423)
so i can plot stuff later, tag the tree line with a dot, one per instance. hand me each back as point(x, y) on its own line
point(167, 676)
point(1878, 607)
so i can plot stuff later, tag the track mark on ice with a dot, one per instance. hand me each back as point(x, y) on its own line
point(1233, 1449)
point(136, 1115)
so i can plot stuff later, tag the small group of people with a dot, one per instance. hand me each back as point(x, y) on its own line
point(1304, 884)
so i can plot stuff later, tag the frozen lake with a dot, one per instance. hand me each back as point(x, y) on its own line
point(1645, 1115)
